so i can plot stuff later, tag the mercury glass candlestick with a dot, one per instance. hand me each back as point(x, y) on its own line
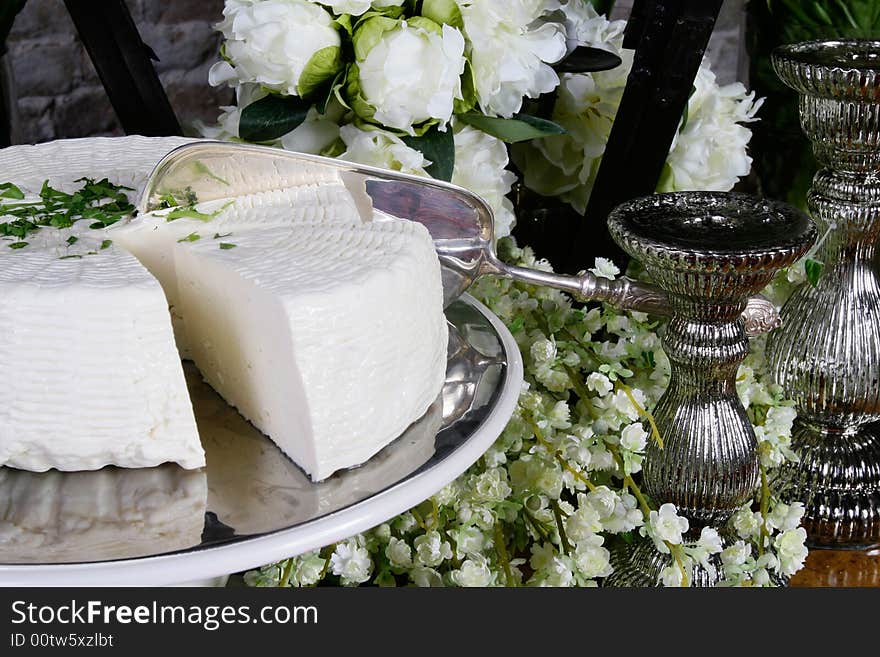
point(827, 354)
point(709, 252)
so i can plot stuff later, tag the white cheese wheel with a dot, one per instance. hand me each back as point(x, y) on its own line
point(325, 330)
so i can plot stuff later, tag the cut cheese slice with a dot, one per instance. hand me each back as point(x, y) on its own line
point(329, 339)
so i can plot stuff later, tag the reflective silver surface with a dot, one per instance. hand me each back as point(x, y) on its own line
point(248, 487)
point(827, 354)
point(460, 222)
point(709, 252)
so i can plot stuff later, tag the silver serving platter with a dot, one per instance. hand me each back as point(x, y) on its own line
point(250, 491)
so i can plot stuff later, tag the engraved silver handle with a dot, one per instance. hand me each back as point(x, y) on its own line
point(760, 315)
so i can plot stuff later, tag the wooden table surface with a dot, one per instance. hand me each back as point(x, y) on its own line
point(840, 568)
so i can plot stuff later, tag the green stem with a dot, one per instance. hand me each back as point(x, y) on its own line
point(563, 539)
point(539, 436)
point(540, 531)
point(501, 548)
point(655, 432)
point(286, 573)
point(765, 506)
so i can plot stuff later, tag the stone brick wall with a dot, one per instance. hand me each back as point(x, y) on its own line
point(726, 47)
point(59, 93)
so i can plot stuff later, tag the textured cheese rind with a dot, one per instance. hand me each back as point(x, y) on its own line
point(151, 237)
point(329, 339)
point(89, 373)
point(108, 514)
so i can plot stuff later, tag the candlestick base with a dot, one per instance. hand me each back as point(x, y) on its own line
point(838, 480)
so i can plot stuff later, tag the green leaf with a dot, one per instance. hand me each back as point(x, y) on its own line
point(468, 91)
point(72, 240)
point(344, 23)
point(18, 245)
point(321, 67)
point(71, 257)
point(521, 127)
point(585, 59)
point(443, 11)
point(218, 235)
point(106, 244)
point(437, 146)
point(369, 33)
point(189, 212)
point(192, 237)
point(813, 269)
point(271, 117)
point(331, 91)
point(354, 96)
point(8, 190)
point(226, 246)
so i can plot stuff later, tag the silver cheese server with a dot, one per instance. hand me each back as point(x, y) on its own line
point(460, 222)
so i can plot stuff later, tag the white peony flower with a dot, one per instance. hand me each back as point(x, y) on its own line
point(480, 166)
point(379, 148)
point(790, 550)
point(358, 7)
point(634, 437)
point(351, 562)
point(708, 151)
point(309, 568)
point(274, 42)
point(667, 526)
point(510, 51)
point(408, 74)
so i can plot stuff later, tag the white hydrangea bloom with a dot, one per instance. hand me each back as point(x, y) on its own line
point(270, 42)
point(473, 573)
point(736, 554)
point(431, 549)
point(380, 148)
point(605, 268)
point(358, 7)
point(784, 516)
point(425, 577)
point(599, 383)
point(747, 523)
point(710, 541)
point(511, 51)
point(592, 559)
point(672, 575)
point(634, 437)
point(666, 526)
point(351, 562)
point(413, 75)
point(790, 550)
point(399, 553)
point(584, 522)
point(480, 166)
